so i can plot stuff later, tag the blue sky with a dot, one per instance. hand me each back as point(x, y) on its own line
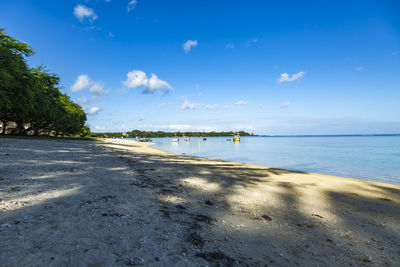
point(268, 67)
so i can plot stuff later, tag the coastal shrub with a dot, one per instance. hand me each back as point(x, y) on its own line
point(30, 98)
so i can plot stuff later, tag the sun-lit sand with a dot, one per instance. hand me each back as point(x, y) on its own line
point(119, 202)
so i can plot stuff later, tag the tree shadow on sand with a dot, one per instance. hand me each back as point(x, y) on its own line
point(280, 233)
point(213, 211)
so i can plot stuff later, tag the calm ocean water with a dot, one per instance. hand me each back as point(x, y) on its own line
point(375, 158)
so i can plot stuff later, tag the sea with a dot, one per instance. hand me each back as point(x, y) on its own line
point(374, 158)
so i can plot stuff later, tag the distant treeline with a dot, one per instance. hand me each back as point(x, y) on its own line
point(30, 98)
point(150, 134)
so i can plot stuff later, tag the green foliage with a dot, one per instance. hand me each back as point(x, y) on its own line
point(85, 131)
point(16, 98)
point(30, 97)
point(13, 45)
point(71, 118)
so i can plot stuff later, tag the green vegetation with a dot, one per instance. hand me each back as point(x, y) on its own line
point(149, 134)
point(30, 99)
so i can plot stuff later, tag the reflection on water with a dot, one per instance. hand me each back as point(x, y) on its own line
point(374, 158)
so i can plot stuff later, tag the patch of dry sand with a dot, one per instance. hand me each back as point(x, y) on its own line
point(119, 202)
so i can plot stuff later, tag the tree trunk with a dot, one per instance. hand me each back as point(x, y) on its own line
point(3, 129)
point(16, 130)
point(36, 130)
point(20, 128)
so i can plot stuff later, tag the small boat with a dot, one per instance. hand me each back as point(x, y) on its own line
point(175, 140)
point(204, 139)
point(144, 140)
point(228, 139)
point(236, 138)
point(187, 140)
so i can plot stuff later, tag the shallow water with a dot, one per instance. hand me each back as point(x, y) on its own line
point(375, 158)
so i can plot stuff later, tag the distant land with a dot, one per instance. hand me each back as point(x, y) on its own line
point(152, 134)
point(155, 134)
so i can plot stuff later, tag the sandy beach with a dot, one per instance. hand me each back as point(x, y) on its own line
point(119, 202)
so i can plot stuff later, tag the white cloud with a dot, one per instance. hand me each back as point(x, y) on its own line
point(82, 100)
point(97, 89)
point(396, 53)
point(84, 82)
point(155, 84)
point(81, 83)
point(206, 124)
point(81, 12)
point(162, 104)
point(211, 106)
point(242, 103)
point(179, 127)
point(359, 68)
point(285, 77)
point(138, 78)
point(237, 104)
point(98, 127)
point(93, 28)
point(189, 44)
point(110, 34)
point(94, 110)
point(166, 127)
point(131, 5)
point(96, 97)
point(187, 105)
point(116, 127)
point(252, 41)
point(285, 104)
point(230, 46)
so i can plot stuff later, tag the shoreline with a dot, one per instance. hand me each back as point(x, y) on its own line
point(151, 145)
point(119, 202)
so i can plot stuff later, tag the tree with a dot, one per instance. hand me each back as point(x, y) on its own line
point(85, 131)
point(30, 97)
point(15, 97)
point(72, 117)
point(46, 95)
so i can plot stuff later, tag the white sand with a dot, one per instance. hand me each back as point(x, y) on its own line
point(115, 202)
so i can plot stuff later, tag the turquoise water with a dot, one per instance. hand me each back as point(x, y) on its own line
point(375, 158)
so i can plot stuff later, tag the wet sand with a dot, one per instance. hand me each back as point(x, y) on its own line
point(119, 202)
